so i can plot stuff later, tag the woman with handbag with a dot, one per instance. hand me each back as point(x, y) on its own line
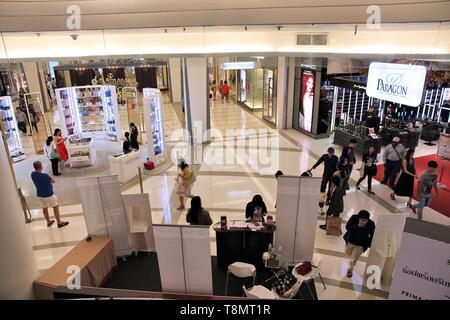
point(369, 169)
point(404, 187)
point(52, 155)
point(185, 180)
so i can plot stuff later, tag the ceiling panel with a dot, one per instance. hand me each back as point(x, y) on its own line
point(33, 15)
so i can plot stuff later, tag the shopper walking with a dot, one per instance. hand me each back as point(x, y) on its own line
point(369, 169)
point(392, 158)
point(44, 190)
point(134, 136)
point(21, 120)
point(359, 235)
point(60, 148)
point(405, 184)
point(330, 161)
point(34, 119)
point(197, 215)
point(214, 89)
point(348, 158)
point(185, 180)
point(335, 199)
point(225, 90)
point(52, 155)
point(427, 181)
point(220, 90)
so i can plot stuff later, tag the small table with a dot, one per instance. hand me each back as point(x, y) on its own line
point(242, 245)
point(95, 260)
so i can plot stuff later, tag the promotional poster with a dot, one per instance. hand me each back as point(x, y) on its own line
point(306, 100)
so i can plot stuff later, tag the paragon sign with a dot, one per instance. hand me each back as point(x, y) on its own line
point(400, 83)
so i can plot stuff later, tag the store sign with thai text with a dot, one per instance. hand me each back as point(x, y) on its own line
point(399, 83)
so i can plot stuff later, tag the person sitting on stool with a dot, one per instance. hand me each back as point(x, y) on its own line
point(256, 209)
point(126, 146)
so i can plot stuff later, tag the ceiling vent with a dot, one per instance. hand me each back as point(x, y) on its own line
point(310, 39)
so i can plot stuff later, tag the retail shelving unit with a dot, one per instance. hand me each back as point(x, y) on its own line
point(153, 118)
point(90, 109)
point(67, 112)
point(11, 131)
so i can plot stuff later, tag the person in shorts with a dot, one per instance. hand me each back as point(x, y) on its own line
point(44, 190)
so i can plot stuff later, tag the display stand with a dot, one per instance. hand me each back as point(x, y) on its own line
point(10, 129)
point(90, 109)
point(385, 244)
point(422, 266)
point(184, 258)
point(297, 200)
point(153, 118)
point(443, 151)
point(36, 120)
point(125, 165)
point(81, 151)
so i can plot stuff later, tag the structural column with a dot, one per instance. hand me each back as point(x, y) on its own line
point(282, 92)
point(196, 98)
point(18, 266)
point(175, 79)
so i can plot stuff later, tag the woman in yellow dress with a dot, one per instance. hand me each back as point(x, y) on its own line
point(185, 180)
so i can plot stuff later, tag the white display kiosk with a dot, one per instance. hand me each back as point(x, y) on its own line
point(81, 151)
point(153, 118)
point(90, 109)
point(125, 165)
point(10, 129)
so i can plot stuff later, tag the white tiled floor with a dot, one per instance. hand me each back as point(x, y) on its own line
point(226, 188)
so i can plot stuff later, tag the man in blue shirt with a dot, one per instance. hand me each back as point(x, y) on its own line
point(44, 191)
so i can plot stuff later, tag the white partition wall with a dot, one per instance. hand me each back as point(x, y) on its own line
point(170, 258)
point(184, 258)
point(139, 216)
point(197, 260)
point(297, 200)
point(385, 243)
point(104, 211)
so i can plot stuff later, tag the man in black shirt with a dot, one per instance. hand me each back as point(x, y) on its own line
point(371, 120)
point(358, 238)
point(330, 166)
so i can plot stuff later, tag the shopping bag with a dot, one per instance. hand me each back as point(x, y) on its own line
point(334, 226)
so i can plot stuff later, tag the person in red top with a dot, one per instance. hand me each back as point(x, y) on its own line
point(225, 90)
point(60, 148)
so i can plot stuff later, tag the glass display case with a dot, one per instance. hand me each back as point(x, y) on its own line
point(67, 112)
point(134, 110)
point(81, 151)
point(154, 124)
point(10, 129)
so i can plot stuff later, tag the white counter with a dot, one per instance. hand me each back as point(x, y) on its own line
point(125, 166)
point(82, 154)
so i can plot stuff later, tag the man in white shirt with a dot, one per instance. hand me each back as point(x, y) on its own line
point(392, 158)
